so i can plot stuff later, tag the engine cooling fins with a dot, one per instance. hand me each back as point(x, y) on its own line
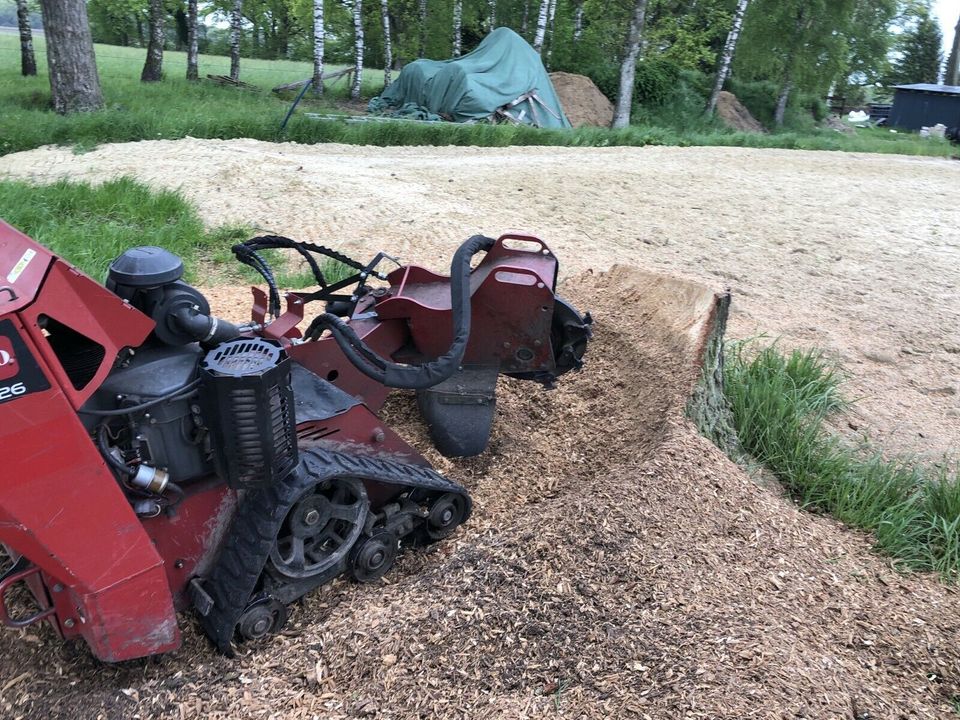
point(243, 588)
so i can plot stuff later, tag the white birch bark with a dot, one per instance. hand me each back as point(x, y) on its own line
point(551, 16)
point(729, 49)
point(236, 20)
point(28, 61)
point(541, 25)
point(491, 14)
point(357, 49)
point(319, 35)
point(457, 27)
point(782, 100)
point(578, 23)
point(192, 70)
point(387, 45)
point(628, 68)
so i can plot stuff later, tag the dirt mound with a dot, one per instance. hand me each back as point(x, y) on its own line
point(735, 115)
point(617, 565)
point(582, 100)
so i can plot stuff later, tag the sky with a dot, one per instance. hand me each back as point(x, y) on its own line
point(947, 11)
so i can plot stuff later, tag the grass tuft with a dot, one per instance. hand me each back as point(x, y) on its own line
point(780, 402)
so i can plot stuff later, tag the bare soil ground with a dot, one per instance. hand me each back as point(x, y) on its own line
point(618, 565)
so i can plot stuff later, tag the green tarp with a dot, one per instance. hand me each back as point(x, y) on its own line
point(501, 69)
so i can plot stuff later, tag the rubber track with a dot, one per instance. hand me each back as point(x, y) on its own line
point(245, 550)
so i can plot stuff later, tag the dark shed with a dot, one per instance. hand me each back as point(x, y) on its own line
point(923, 105)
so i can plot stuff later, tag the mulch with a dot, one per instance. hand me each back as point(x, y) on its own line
point(617, 566)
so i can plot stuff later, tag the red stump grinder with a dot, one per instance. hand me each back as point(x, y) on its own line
point(157, 457)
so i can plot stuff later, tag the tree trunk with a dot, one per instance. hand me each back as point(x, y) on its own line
point(578, 23)
point(357, 49)
point(541, 25)
point(236, 20)
point(551, 17)
point(153, 65)
point(192, 71)
point(628, 68)
point(318, 38)
point(422, 15)
point(28, 61)
point(729, 49)
point(782, 101)
point(74, 83)
point(457, 27)
point(526, 15)
point(953, 63)
point(491, 14)
point(387, 48)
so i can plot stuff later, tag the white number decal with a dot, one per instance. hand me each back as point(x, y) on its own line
point(12, 390)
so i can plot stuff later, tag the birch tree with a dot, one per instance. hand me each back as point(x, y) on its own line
point(953, 63)
point(357, 49)
point(319, 34)
point(541, 25)
point(551, 17)
point(457, 27)
point(236, 22)
point(192, 39)
point(28, 61)
point(74, 83)
point(628, 68)
point(526, 15)
point(491, 14)
point(153, 65)
point(578, 22)
point(422, 16)
point(726, 58)
point(387, 49)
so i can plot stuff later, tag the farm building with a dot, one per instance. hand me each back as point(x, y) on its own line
point(924, 105)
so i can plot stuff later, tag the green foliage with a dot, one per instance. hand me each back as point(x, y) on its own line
point(780, 403)
point(90, 225)
point(656, 80)
point(921, 53)
point(176, 108)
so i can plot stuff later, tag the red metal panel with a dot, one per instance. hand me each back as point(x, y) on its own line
point(61, 507)
point(23, 265)
point(73, 299)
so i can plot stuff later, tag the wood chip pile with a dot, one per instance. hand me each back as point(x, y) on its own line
point(617, 566)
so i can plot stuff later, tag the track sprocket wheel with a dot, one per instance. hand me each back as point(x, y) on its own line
point(320, 528)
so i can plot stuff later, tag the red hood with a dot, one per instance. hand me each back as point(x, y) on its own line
point(23, 266)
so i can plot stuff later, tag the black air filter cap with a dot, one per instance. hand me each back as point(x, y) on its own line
point(143, 267)
point(243, 357)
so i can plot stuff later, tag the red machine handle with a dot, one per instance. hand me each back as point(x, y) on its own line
point(9, 581)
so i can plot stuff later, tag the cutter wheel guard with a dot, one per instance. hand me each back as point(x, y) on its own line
point(158, 458)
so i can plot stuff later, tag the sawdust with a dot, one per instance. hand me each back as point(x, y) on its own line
point(858, 254)
point(582, 100)
point(735, 115)
point(617, 566)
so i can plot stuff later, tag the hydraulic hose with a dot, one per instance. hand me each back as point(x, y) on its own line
point(414, 377)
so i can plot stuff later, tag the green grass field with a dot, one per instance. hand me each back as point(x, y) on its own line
point(176, 108)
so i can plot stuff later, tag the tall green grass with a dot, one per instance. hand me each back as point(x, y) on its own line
point(780, 404)
point(90, 225)
point(175, 108)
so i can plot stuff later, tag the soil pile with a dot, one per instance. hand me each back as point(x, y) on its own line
point(582, 100)
point(735, 115)
point(617, 565)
